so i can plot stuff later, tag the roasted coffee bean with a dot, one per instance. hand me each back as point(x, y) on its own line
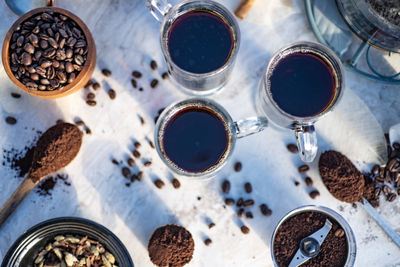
point(112, 94)
point(159, 183)
point(238, 166)
point(374, 203)
point(226, 186)
point(164, 75)
point(248, 203)
point(153, 65)
point(137, 144)
point(377, 192)
point(134, 83)
point(240, 212)
point(249, 215)
point(91, 103)
point(394, 177)
point(391, 197)
point(239, 202)
point(78, 59)
point(147, 163)
point(88, 131)
point(126, 172)
point(303, 168)
point(79, 123)
point(26, 59)
point(314, 194)
point(20, 40)
point(11, 120)
point(207, 242)
point(96, 86)
point(379, 180)
point(339, 233)
point(292, 148)
point(211, 225)
point(136, 153)
point(136, 74)
point(296, 183)
point(154, 83)
point(131, 162)
point(29, 48)
point(265, 210)
point(396, 145)
point(15, 95)
point(175, 183)
point(68, 67)
point(308, 181)
point(248, 188)
point(229, 201)
point(386, 190)
point(106, 72)
point(141, 89)
point(90, 96)
point(151, 144)
point(393, 165)
point(245, 230)
point(375, 169)
point(88, 84)
point(114, 161)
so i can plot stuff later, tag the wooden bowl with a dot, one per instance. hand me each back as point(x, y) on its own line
point(84, 75)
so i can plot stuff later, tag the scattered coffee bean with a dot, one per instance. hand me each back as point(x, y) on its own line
point(304, 168)
point(141, 89)
point(11, 120)
point(339, 233)
point(90, 96)
point(238, 166)
point(96, 86)
point(226, 186)
point(112, 94)
point(134, 177)
point(88, 131)
point(375, 169)
point(245, 230)
point(248, 188)
point(15, 95)
point(126, 172)
point(154, 83)
point(147, 163)
point(91, 103)
point(88, 84)
point(136, 74)
point(151, 144)
point(106, 72)
point(175, 183)
point(134, 83)
point(292, 148)
point(79, 123)
point(296, 183)
point(140, 175)
point(391, 197)
point(265, 210)
point(377, 192)
point(153, 65)
point(137, 144)
point(159, 183)
point(374, 203)
point(131, 162)
point(164, 75)
point(314, 194)
point(136, 153)
point(240, 212)
point(211, 225)
point(229, 201)
point(249, 215)
point(207, 242)
point(309, 181)
point(248, 203)
point(142, 121)
point(114, 161)
point(239, 203)
point(386, 190)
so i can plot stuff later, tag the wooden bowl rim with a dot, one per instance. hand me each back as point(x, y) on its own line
point(83, 76)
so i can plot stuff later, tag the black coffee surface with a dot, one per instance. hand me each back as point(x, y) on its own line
point(200, 42)
point(195, 139)
point(303, 84)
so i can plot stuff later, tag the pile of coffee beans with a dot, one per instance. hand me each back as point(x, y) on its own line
point(47, 51)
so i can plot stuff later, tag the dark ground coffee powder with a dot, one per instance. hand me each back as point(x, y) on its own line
point(55, 149)
point(171, 245)
point(343, 180)
point(387, 9)
point(334, 249)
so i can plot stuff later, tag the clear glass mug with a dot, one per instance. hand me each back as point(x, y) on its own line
point(195, 83)
point(303, 126)
point(234, 130)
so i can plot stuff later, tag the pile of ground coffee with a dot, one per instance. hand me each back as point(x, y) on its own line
point(171, 245)
point(334, 249)
point(343, 180)
point(55, 149)
point(389, 10)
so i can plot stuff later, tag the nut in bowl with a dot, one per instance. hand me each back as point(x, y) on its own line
point(49, 52)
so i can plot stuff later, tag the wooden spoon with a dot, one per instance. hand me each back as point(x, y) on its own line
point(54, 150)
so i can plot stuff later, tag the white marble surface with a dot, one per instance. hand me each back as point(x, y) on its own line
point(126, 36)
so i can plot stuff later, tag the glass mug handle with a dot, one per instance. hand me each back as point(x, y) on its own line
point(307, 142)
point(158, 8)
point(250, 126)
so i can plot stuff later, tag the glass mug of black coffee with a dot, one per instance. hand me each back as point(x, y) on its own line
point(200, 41)
point(302, 83)
point(196, 137)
